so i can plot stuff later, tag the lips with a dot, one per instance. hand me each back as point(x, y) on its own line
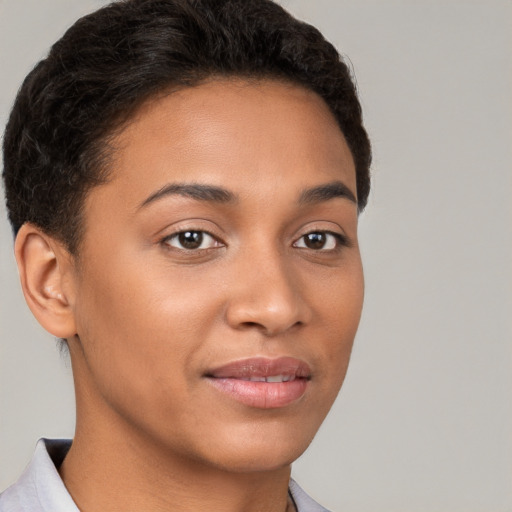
point(261, 382)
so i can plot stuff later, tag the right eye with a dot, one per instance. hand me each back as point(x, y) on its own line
point(190, 240)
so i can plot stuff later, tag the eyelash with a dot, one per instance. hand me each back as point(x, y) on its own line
point(175, 236)
point(340, 240)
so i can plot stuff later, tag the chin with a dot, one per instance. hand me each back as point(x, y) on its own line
point(259, 449)
point(256, 461)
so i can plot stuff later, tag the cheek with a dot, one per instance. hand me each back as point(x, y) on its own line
point(142, 328)
point(143, 302)
point(341, 308)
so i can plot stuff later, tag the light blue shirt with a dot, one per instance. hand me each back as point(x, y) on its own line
point(40, 488)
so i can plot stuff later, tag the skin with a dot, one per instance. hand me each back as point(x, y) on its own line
point(145, 319)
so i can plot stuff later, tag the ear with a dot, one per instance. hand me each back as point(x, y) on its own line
point(47, 277)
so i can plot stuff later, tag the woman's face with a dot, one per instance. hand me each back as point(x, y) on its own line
point(220, 284)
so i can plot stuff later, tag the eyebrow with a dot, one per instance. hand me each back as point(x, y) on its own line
point(214, 194)
point(333, 190)
point(196, 191)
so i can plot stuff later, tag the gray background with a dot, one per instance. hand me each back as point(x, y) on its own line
point(424, 421)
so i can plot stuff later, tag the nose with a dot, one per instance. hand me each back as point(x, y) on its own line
point(266, 295)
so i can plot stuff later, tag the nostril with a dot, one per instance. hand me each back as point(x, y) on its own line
point(252, 325)
point(268, 330)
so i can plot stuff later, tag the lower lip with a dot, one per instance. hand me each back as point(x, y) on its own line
point(262, 395)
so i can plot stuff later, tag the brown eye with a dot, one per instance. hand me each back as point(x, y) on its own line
point(318, 241)
point(191, 240)
point(315, 240)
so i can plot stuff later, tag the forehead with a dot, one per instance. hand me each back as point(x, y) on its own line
point(232, 133)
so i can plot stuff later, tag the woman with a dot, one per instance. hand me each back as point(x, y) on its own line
point(184, 181)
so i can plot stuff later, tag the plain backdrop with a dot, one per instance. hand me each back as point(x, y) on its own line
point(424, 420)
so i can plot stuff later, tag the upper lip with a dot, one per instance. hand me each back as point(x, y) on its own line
point(262, 367)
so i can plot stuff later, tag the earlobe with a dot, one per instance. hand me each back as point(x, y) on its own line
point(46, 275)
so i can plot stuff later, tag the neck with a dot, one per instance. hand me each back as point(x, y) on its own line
point(111, 467)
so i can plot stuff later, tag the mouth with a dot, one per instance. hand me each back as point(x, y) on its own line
point(262, 383)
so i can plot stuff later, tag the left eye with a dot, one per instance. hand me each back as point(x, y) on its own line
point(318, 241)
point(192, 240)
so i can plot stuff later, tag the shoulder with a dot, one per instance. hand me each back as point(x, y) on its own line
point(304, 502)
point(40, 488)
